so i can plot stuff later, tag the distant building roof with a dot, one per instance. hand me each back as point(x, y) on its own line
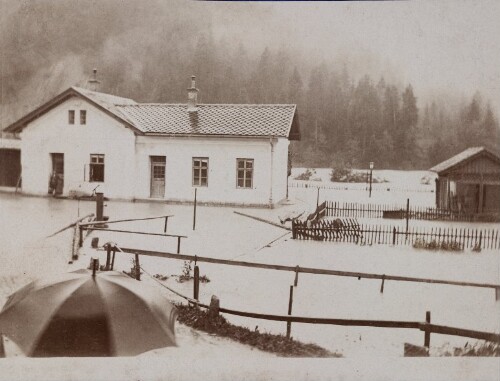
point(259, 120)
point(463, 156)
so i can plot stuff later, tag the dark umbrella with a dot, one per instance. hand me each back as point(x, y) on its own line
point(77, 314)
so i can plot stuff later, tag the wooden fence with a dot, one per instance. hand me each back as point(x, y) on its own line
point(357, 210)
point(426, 326)
point(387, 187)
point(348, 230)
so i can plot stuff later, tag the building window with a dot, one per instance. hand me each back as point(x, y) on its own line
point(71, 116)
point(96, 168)
point(83, 116)
point(200, 171)
point(244, 173)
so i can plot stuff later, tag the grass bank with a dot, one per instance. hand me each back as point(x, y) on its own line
point(278, 344)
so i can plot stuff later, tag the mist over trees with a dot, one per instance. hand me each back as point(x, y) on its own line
point(148, 52)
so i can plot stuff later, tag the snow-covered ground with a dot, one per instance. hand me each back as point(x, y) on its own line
point(221, 233)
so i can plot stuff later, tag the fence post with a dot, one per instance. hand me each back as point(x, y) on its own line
point(289, 323)
point(196, 287)
point(194, 209)
point(296, 280)
point(137, 268)
point(294, 229)
point(480, 238)
point(317, 199)
point(394, 236)
point(213, 311)
point(178, 245)
point(497, 294)
point(427, 338)
point(165, 227)
point(382, 285)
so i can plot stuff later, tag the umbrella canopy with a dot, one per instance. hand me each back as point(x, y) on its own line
point(77, 314)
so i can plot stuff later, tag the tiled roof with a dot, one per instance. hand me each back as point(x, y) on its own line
point(211, 119)
point(457, 159)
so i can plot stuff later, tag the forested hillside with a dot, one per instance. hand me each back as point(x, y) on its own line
point(148, 50)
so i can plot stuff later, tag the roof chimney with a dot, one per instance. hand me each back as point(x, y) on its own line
point(93, 83)
point(192, 96)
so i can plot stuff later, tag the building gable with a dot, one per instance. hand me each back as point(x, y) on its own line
point(472, 160)
point(103, 106)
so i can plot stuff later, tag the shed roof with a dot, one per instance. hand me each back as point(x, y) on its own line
point(462, 157)
point(245, 120)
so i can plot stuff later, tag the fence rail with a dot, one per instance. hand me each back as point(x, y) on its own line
point(305, 270)
point(348, 230)
point(426, 326)
point(358, 210)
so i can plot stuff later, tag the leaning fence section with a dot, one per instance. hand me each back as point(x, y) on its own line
point(358, 210)
point(349, 230)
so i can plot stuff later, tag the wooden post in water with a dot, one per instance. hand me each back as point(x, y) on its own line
point(99, 206)
point(165, 227)
point(497, 294)
point(178, 245)
point(137, 268)
point(296, 280)
point(80, 235)
point(95, 265)
point(108, 256)
point(289, 323)
point(196, 286)
point(382, 285)
point(194, 209)
point(113, 260)
point(427, 338)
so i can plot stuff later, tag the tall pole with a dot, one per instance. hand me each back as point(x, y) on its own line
point(370, 192)
point(371, 177)
point(194, 210)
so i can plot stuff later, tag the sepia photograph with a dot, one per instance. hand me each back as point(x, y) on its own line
point(249, 190)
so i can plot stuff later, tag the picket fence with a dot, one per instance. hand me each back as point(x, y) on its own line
point(358, 210)
point(349, 230)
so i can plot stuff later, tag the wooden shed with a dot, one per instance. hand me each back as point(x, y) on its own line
point(469, 182)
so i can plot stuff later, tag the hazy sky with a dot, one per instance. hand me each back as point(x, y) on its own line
point(435, 45)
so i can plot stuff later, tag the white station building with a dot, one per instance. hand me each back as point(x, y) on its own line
point(235, 154)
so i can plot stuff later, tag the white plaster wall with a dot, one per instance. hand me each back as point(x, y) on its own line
point(280, 165)
point(102, 134)
point(9, 143)
point(222, 154)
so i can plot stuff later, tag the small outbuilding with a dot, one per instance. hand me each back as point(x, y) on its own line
point(469, 183)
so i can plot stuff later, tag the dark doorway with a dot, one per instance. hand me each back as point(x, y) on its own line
point(10, 167)
point(56, 183)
